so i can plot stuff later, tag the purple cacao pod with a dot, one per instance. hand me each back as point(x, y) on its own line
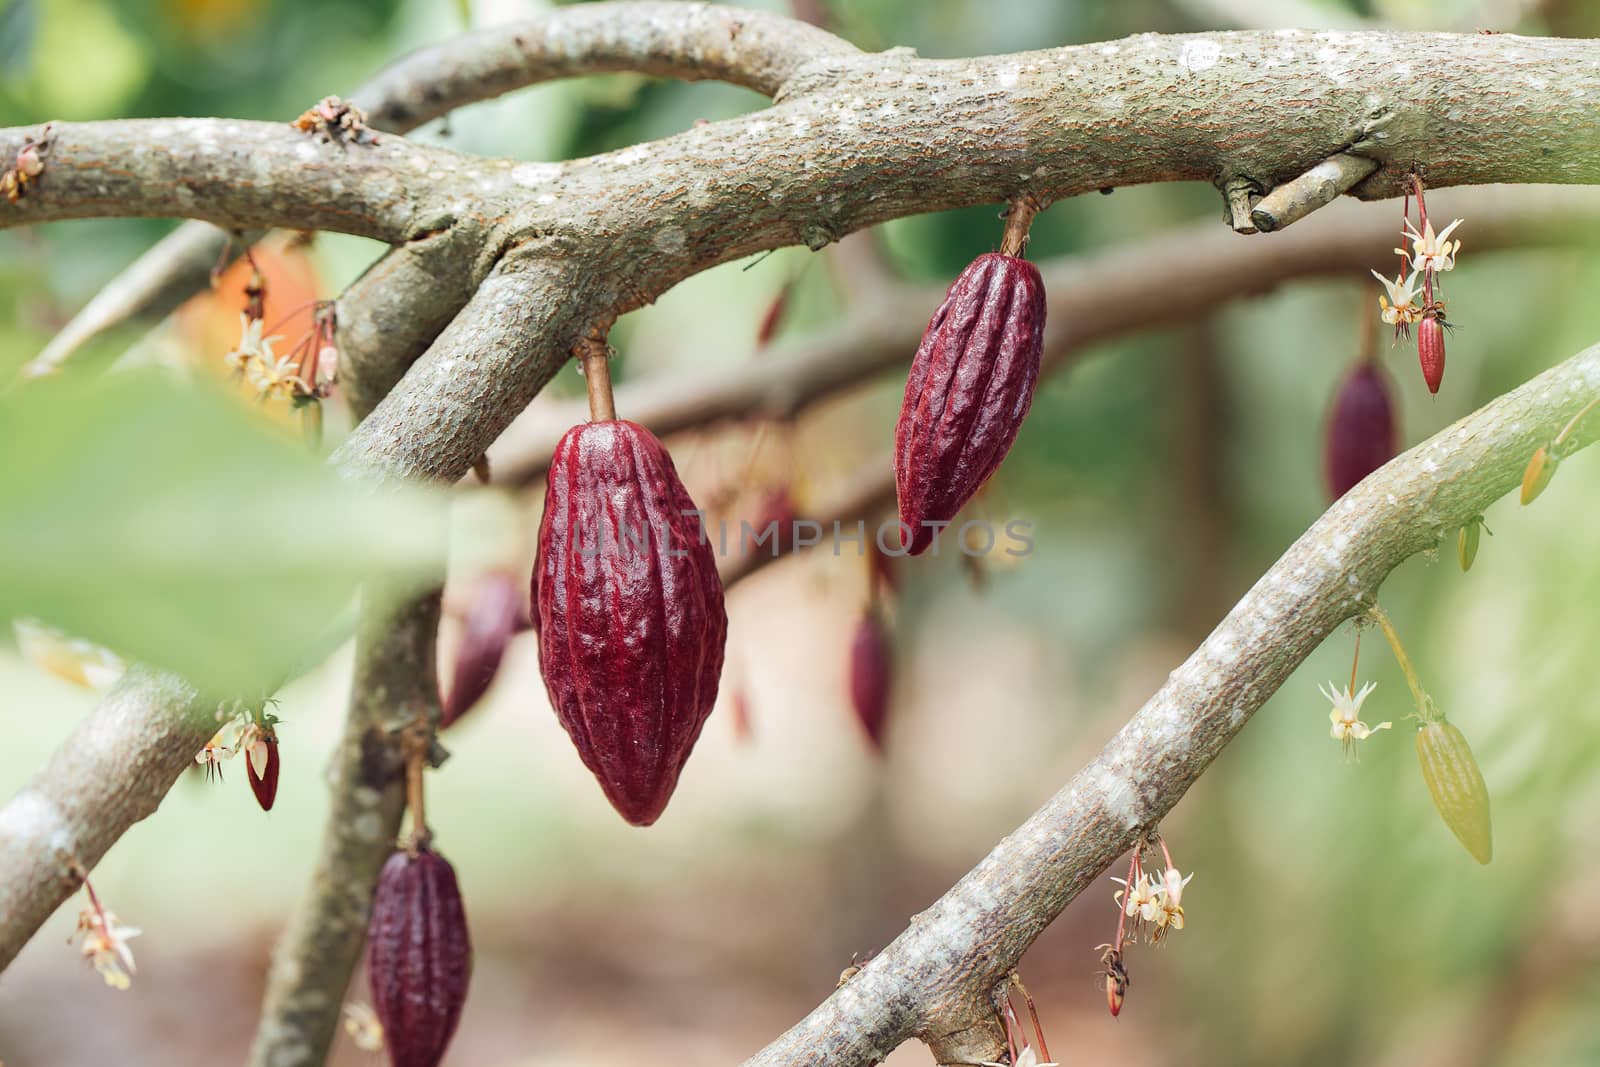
point(264, 781)
point(1430, 350)
point(970, 387)
point(419, 957)
point(871, 674)
point(493, 618)
point(1361, 429)
point(631, 618)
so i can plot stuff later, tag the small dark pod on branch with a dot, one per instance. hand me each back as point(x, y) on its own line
point(419, 957)
point(970, 387)
point(1361, 435)
point(493, 618)
point(871, 676)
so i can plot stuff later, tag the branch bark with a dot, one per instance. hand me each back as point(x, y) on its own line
point(395, 681)
point(937, 980)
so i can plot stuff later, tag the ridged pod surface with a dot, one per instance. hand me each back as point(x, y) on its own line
point(631, 618)
point(1361, 430)
point(970, 387)
point(419, 957)
point(1457, 787)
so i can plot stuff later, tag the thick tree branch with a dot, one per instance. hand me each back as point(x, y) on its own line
point(936, 980)
point(111, 772)
point(244, 174)
point(394, 683)
point(1175, 277)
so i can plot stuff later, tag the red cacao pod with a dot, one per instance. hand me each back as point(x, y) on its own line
point(263, 782)
point(631, 619)
point(419, 957)
point(1361, 429)
point(493, 618)
point(871, 675)
point(970, 387)
point(1430, 350)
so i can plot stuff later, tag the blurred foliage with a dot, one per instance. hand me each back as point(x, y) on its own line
point(1333, 918)
point(176, 527)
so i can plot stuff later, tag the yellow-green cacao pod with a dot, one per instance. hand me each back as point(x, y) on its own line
point(1456, 786)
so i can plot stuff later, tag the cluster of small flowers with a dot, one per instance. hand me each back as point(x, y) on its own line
point(304, 375)
point(26, 168)
point(105, 942)
point(1431, 255)
point(1152, 903)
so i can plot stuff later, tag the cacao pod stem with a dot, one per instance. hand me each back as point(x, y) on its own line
point(1019, 216)
point(596, 357)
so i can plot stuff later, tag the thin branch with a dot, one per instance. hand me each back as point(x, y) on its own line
point(936, 980)
point(754, 49)
point(243, 174)
point(394, 683)
point(1092, 298)
point(1317, 187)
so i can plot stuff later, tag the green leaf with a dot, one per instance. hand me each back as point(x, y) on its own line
point(179, 527)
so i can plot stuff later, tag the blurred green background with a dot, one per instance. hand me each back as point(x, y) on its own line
point(1332, 918)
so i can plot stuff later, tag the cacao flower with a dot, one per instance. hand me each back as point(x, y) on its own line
point(970, 387)
point(1456, 785)
point(419, 957)
point(1361, 429)
point(871, 673)
point(631, 619)
point(261, 766)
point(1430, 350)
point(492, 619)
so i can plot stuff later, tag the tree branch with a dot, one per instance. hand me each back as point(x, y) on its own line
point(243, 174)
point(754, 49)
point(1092, 298)
point(112, 771)
point(936, 981)
point(394, 683)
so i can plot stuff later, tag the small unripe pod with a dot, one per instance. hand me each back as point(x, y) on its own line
point(419, 957)
point(1430, 350)
point(1541, 468)
point(970, 387)
point(261, 767)
point(1467, 544)
point(1456, 785)
point(1361, 429)
point(493, 618)
point(871, 676)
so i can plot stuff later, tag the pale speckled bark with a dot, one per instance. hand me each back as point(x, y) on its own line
point(937, 978)
point(1094, 297)
point(247, 174)
point(395, 681)
point(112, 771)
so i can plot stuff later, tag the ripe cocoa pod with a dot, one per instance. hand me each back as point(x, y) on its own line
point(970, 387)
point(419, 957)
point(631, 619)
point(493, 618)
point(1430, 350)
point(1457, 786)
point(871, 676)
point(1361, 429)
point(263, 778)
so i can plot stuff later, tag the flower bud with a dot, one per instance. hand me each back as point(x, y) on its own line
point(871, 675)
point(1361, 429)
point(1541, 468)
point(631, 618)
point(419, 957)
point(493, 618)
point(1456, 785)
point(970, 387)
point(1430, 350)
point(261, 767)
